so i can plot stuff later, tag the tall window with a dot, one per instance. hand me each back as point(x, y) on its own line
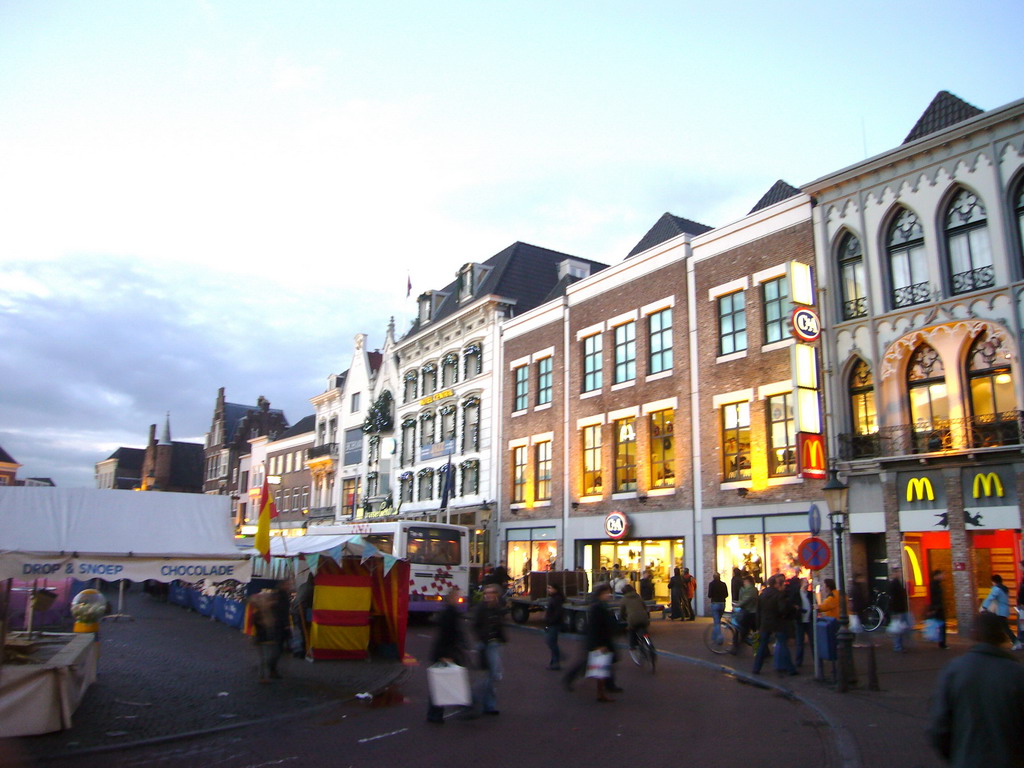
point(408, 441)
point(967, 244)
point(592, 484)
point(542, 470)
point(736, 441)
point(473, 360)
point(448, 423)
point(1019, 211)
point(625, 455)
point(521, 376)
point(908, 268)
point(994, 414)
point(592, 361)
point(426, 429)
point(470, 477)
point(519, 474)
point(409, 393)
point(929, 403)
point(405, 487)
point(732, 323)
point(776, 308)
point(659, 326)
point(544, 380)
point(349, 495)
point(429, 379)
point(449, 369)
point(781, 435)
point(426, 486)
point(663, 455)
point(851, 277)
point(625, 352)
point(862, 399)
point(471, 424)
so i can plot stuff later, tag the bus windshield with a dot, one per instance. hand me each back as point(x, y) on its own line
point(385, 542)
point(434, 546)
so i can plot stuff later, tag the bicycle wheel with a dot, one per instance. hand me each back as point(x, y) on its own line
point(728, 638)
point(650, 652)
point(872, 618)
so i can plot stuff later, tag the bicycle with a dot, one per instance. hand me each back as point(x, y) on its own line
point(643, 652)
point(730, 633)
point(877, 613)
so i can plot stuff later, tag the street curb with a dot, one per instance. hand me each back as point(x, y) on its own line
point(399, 674)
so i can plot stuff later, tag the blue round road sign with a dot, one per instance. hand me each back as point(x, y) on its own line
point(814, 520)
point(814, 553)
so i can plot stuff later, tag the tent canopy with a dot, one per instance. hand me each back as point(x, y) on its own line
point(87, 533)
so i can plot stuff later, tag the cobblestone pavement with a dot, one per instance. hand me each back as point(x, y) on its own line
point(170, 671)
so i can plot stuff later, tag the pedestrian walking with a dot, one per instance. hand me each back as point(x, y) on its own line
point(899, 610)
point(735, 584)
point(449, 644)
point(936, 605)
point(554, 616)
point(675, 595)
point(270, 608)
point(647, 585)
point(489, 627)
point(977, 711)
point(998, 602)
point(689, 591)
point(718, 593)
point(745, 612)
point(600, 636)
point(775, 613)
point(804, 627)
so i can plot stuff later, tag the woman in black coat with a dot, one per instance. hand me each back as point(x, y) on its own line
point(936, 605)
point(675, 592)
point(449, 644)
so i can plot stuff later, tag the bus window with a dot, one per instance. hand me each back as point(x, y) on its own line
point(385, 542)
point(434, 546)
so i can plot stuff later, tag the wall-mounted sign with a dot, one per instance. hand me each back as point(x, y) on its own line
point(437, 396)
point(806, 324)
point(811, 450)
point(616, 525)
point(990, 486)
point(924, 489)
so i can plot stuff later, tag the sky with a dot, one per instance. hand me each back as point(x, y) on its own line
point(198, 194)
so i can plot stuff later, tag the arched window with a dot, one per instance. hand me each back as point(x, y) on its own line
point(908, 268)
point(410, 387)
point(994, 416)
point(471, 424)
point(427, 428)
point(426, 484)
point(1018, 208)
point(408, 441)
point(862, 442)
point(967, 244)
point(449, 369)
point(405, 482)
point(473, 357)
point(429, 379)
point(929, 401)
point(851, 277)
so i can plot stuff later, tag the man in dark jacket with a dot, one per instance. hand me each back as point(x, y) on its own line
point(449, 644)
point(490, 634)
point(899, 608)
point(718, 593)
point(775, 613)
point(977, 713)
point(270, 609)
point(601, 628)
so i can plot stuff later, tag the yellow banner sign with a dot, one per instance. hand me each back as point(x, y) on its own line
point(437, 396)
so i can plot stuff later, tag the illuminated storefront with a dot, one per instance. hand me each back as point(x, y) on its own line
point(531, 549)
point(759, 544)
point(633, 556)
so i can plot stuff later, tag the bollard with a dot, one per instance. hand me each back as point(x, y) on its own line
point(872, 669)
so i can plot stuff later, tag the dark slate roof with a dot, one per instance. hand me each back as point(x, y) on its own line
point(665, 228)
point(234, 413)
point(780, 191)
point(945, 111)
point(187, 465)
point(304, 425)
point(128, 458)
point(559, 288)
point(523, 272)
point(48, 481)
point(375, 358)
point(6, 457)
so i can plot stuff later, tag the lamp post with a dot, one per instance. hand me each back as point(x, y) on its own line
point(835, 494)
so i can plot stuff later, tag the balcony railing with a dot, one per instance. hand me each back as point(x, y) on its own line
point(855, 308)
point(987, 431)
point(909, 295)
point(327, 449)
point(974, 279)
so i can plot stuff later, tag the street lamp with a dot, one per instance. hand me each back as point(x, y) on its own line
point(835, 494)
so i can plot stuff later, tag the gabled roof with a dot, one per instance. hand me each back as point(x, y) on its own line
point(665, 228)
point(5, 457)
point(522, 272)
point(780, 191)
point(945, 111)
point(234, 413)
point(304, 425)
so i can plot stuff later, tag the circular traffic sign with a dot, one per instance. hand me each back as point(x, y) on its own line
point(806, 324)
point(814, 553)
point(616, 525)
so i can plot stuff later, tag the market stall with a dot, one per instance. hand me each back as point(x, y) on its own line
point(61, 533)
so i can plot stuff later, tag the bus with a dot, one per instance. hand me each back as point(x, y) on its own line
point(438, 555)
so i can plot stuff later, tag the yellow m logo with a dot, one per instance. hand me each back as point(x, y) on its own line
point(814, 454)
point(921, 488)
point(987, 482)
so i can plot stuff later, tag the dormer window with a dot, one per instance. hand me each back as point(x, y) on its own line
point(573, 268)
point(466, 282)
point(424, 307)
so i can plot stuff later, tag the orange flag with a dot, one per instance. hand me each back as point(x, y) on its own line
point(268, 511)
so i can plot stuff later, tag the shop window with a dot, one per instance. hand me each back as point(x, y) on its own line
point(592, 483)
point(967, 244)
point(473, 360)
point(592, 362)
point(409, 392)
point(736, 441)
point(519, 474)
point(851, 277)
point(659, 327)
point(542, 470)
point(781, 436)
point(908, 267)
point(995, 419)
point(625, 352)
point(732, 323)
point(449, 369)
point(775, 294)
point(625, 455)
point(929, 403)
point(663, 455)
point(521, 376)
point(544, 380)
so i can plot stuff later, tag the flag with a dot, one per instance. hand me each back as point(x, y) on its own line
point(268, 511)
point(447, 484)
point(408, 286)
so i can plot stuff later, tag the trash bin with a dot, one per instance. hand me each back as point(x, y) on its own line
point(825, 633)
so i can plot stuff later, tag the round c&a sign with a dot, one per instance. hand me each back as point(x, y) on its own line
point(806, 324)
point(616, 525)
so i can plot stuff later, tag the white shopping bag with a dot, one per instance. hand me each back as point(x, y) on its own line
point(599, 664)
point(449, 685)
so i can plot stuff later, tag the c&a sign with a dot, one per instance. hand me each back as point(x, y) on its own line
point(811, 453)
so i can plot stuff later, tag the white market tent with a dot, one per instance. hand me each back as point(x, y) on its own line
point(86, 533)
point(285, 551)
